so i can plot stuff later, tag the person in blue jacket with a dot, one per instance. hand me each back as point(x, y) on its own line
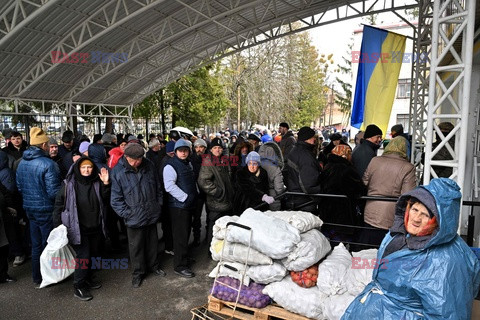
point(427, 271)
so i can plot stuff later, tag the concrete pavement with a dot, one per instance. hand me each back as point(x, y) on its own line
point(168, 298)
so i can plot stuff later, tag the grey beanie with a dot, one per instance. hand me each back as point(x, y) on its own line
point(107, 138)
point(200, 142)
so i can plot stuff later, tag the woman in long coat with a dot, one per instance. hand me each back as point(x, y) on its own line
point(340, 177)
point(388, 175)
point(80, 207)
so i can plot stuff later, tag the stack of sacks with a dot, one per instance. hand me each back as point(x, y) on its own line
point(284, 242)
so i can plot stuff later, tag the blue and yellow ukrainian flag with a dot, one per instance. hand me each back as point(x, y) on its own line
point(377, 78)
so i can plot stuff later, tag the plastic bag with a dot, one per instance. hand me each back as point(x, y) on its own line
point(250, 296)
point(271, 236)
point(307, 302)
point(335, 306)
point(333, 270)
point(357, 278)
point(313, 247)
point(301, 220)
point(220, 226)
point(266, 274)
point(237, 252)
point(57, 260)
point(224, 271)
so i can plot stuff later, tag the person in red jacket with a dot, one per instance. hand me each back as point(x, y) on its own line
point(116, 153)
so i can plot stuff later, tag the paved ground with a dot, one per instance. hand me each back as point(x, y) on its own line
point(169, 298)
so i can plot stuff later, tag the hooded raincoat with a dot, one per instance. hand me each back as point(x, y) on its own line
point(433, 277)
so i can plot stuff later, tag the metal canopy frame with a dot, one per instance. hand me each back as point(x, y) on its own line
point(163, 40)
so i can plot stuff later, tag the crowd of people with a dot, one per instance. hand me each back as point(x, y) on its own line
point(116, 184)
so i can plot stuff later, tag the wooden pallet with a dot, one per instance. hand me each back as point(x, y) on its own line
point(242, 312)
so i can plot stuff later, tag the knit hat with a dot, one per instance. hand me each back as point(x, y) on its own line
point(85, 162)
point(37, 136)
point(253, 156)
point(372, 131)
point(107, 138)
point(305, 133)
point(217, 142)
point(153, 143)
point(182, 143)
point(253, 136)
point(336, 136)
point(52, 141)
point(134, 150)
point(170, 147)
point(200, 142)
point(83, 146)
point(67, 136)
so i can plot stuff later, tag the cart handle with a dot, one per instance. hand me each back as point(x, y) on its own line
point(238, 225)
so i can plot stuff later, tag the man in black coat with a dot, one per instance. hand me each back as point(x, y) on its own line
point(137, 198)
point(303, 170)
point(367, 149)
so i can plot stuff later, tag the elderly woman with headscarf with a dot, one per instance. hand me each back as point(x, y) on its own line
point(340, 177)
point(388, 175)
point(423, 270)
point(251, 185)
point(80, 206)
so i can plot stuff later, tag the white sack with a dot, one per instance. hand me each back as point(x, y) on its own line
point(307, 302)
point(267, 274)
point(301, 220)
point(334, 306)
point(57, 260)
point(313, 247)
point(220, 226)
point(271, 236)
point(333, 270)
point(237, 252)
point(358, 277)
point(224, 271)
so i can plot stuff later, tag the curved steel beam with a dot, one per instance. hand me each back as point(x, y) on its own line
point(134, 48)
point(86, 35)
point(218, 48)
point(16, 16)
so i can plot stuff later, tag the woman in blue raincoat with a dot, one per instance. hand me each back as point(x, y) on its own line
point(428, 271)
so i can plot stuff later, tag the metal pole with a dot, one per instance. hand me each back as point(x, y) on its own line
point(431, 92)
point(467, 55)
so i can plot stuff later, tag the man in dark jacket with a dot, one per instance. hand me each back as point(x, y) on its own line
point(367, 149)
point(181, 188)
point(137, 198)
point(16, 146)
point(288, 140)
point(303, 170)
point(67, 145)
point(38, 180)
point(215, 180)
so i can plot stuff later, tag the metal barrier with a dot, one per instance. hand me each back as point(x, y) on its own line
point(471, 217)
